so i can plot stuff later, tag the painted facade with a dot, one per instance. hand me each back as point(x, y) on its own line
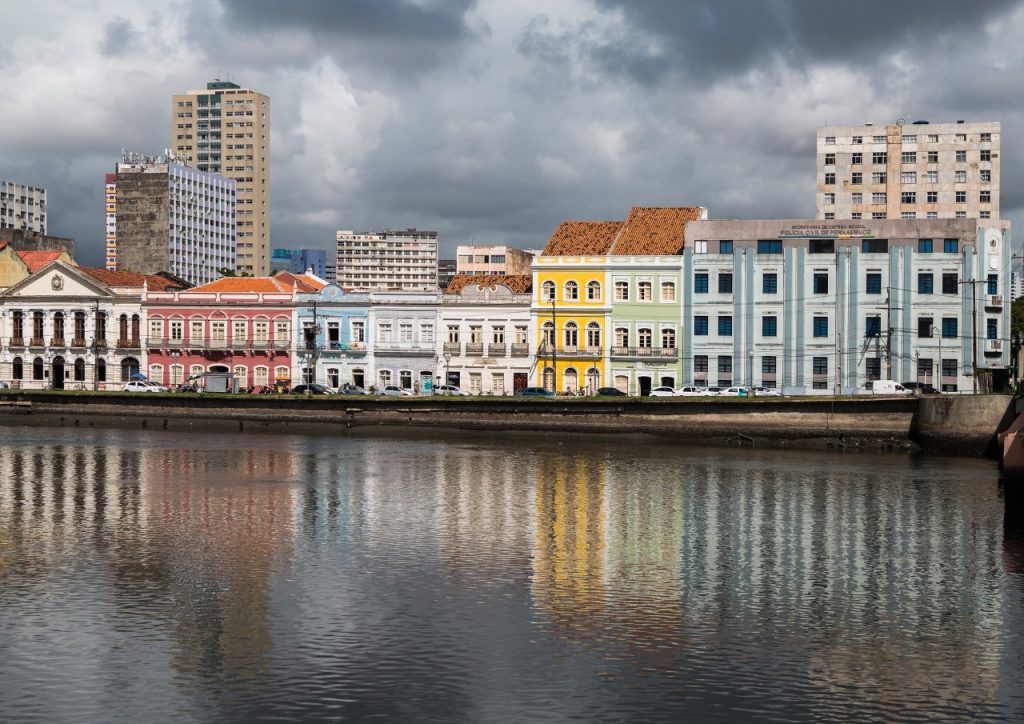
point(402, 329)
point(485, 338)
point(333, 331)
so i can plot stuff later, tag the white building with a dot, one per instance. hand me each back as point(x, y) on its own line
point(169, 217)
point(820, 305)
point(485, 334)
point(493, 259)
point(916, 170)
point(389, 259)
point(22, 207)
point(403, 340)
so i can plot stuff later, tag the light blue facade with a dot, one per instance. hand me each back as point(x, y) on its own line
point(298, 261)
point(340, 341)
point(909, 300)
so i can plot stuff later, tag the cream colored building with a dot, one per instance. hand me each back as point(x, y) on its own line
point(22, 207)
point(392, 259)
point(917, 170)
point(225, 129)
point(493, 260)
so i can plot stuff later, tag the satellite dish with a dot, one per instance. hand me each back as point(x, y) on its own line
point(901, 121)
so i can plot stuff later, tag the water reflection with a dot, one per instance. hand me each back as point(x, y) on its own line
point(181, 576)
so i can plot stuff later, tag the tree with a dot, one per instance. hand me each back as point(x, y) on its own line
point(1017, 319)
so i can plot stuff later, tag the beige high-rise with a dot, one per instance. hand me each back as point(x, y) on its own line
point(225, 129)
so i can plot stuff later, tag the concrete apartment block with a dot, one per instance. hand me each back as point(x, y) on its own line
point(387, 260)
point(22, 207)
point(492, 260)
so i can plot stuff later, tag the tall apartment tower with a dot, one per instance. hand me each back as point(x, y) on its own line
point(389, 259)
point(22, 207)
point(225, 129)
point(163, 216)
point(916, 170)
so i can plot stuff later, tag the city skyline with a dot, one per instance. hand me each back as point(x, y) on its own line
point(491, 122)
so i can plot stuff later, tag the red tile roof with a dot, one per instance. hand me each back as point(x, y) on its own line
point(517, 283)
point(652, 231)
point(129, 279)
point(582, 238)
point(36, 260)
point(245, 284)
point(303, 280)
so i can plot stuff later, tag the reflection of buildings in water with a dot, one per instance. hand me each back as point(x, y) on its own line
point(569, 579)
point(166, 520)
point(848, 573)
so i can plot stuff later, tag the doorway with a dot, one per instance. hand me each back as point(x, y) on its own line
point(520, 381)
point(645, 385)
point(57, 373)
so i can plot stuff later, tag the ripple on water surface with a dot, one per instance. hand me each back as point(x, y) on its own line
point(218, 578)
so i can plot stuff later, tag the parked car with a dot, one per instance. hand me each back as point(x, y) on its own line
point(691, 391)
point(767, 392)
point(714, 391)
point(735, 391)
point(924, 387)
point(663, 392)
point(395, 391)
point(348, 389)
point(611, 392)
point(534, 392)
point(143, 386)
point(452, 390)
point(883, 387)
point(313, 388)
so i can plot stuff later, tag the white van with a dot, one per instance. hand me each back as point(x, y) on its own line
point(884, 387)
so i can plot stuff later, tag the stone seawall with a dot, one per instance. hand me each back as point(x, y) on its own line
point(965, 425)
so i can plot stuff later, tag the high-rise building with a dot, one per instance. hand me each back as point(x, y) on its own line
point(22, 207)
point(492, 259)
point(389, 259)
point(446, 271)
point(225, 129)
point(299, 260)
point(919, 170)
point(169, 217)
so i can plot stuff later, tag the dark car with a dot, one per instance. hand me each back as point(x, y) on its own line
point(611, 392)
point(534, 392)
point(347, 389)
point(920, 388)
point(313, 389)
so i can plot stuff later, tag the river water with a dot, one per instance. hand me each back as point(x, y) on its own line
point(187, 577)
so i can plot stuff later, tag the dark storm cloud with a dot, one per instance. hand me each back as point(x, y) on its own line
point(396, 34)
point(119, 38)
point(710, 39)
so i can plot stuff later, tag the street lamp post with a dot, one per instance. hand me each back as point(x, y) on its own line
point(938, 375)
point(554, 344)
point(447, 360)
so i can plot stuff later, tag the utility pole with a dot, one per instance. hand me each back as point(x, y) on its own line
point(889, 309)
point(974, 328)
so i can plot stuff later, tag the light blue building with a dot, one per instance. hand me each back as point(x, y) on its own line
point(812, 306)
point(298, 261)
point(333, 337)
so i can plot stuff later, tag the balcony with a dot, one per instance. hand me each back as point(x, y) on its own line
point(174, 343)
point(17, 342)
point(154, 342)
point(661, 353)
point(496, 350)
point(37, 342)
point(520, 349)
point(134, 343)
point(993, 346)
point(993, 301)
point(474, 348)
point(260, 345)
point(57, 342)
point(239, 343)
point(78, 343)
point(281, 345)
point(454, 348)
point(407, 347)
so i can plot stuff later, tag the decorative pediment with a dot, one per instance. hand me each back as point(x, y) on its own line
point(57, 280)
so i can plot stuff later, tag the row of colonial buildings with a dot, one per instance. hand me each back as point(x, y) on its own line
point(664, 297)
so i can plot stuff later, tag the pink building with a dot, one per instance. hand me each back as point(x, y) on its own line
point(243, 325)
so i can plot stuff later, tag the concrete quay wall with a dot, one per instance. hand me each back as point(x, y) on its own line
point(964, 425)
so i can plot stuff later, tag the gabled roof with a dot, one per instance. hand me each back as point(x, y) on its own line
point(36, 260)
point(246, 284)
point(314, 283)
point(130, 279)
point(654, 231)
point(517, 283)
point(582, 238)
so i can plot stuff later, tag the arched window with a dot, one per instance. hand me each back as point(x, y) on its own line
point(571, 291)
point(572, 334)
point(570, 380)
point(282, 374)
point(594, 291)
point(643, 291)
point(101, 370)
point(129, 367)
point(135, 330)
point(548, 292)
point(79, 370)
point(242, 375)
point(177, 374)
point(18, 328)
point(668, 339)
point(668, 291)
point(593, 335)
point(384, 377)
point(156, 374)
point(358, 377)
point(405, 379)
point(593, 380)
point(644, 337)
point(548, 334)
point(37, 368)
point(261, 376)
point(58, 329)
point(548, 379)
point(621, 337)
point(122, 330)
point(17, 369)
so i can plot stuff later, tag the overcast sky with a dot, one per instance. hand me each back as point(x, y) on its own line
point(493, 120)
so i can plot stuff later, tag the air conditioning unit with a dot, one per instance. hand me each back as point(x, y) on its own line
point(994, 300)
point(993, 345)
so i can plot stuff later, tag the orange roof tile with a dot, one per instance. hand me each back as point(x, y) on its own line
point(304, 282)
point(36, 260)
point(245, 284)
point(129, 279)
point(652, 231)
point(517, 283)
point(582, 238)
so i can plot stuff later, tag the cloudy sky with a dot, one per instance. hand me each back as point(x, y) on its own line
point(492, 120)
